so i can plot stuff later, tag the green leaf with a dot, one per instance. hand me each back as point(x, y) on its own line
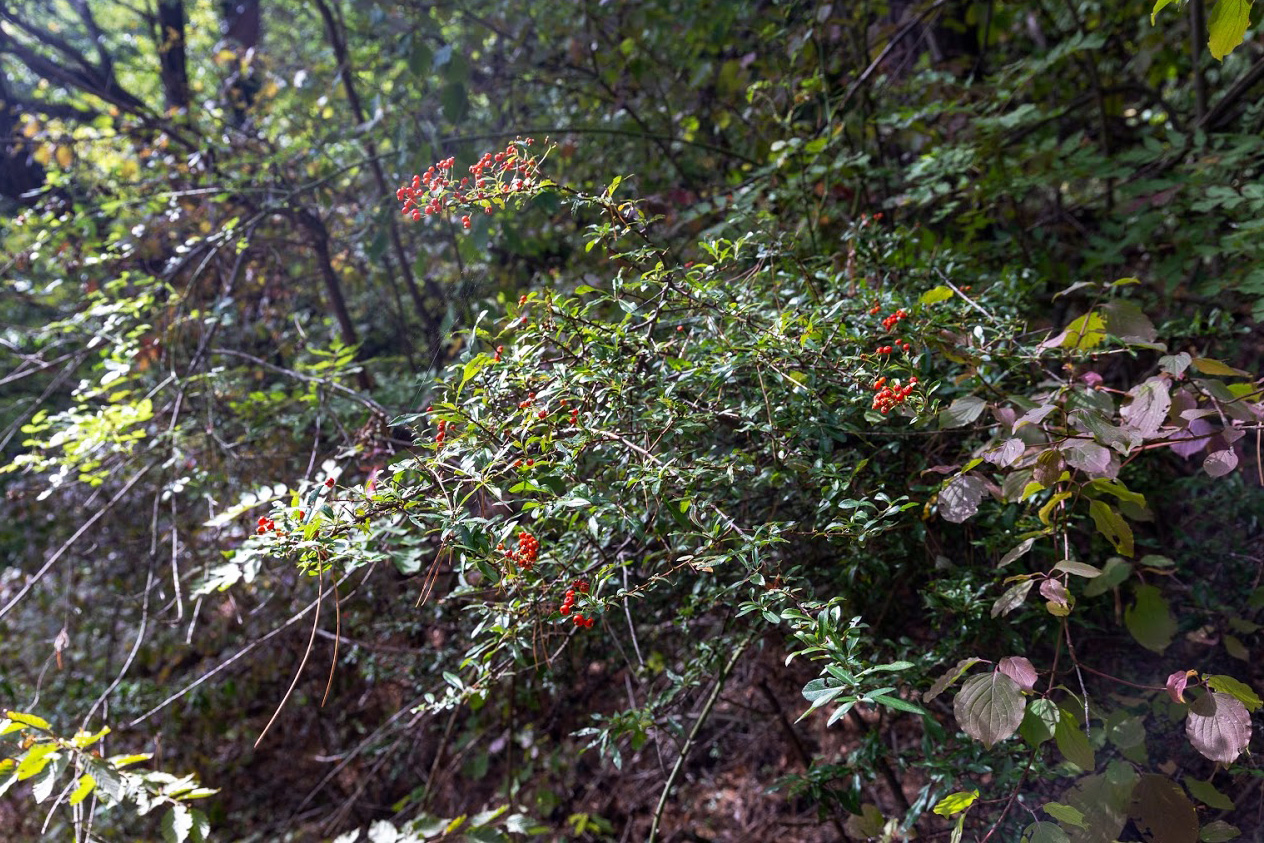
point(1073, 743)
point(1087, 331)
point(962, 411)
point(1208, 366)
point(1219, 727)
point(1158, 7)
point(1219, 832)
point(86, 785)
point(176, 824)
point(898, 704)
point(1039, 721)
point(28, 720)
point(1238, 690)
point(1226, 26)
point(955, 803)
point(1206, 793)
point(989, 707)
point(1042, 832)
point(1112, 525)
point(1065, 814)
point(936, 294)
point(1162, 811)
point(1150, 620)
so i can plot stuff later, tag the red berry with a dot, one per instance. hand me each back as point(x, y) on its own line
point(329, 481)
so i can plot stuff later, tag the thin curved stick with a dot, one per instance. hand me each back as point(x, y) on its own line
point(320, 594)
point(693, 733)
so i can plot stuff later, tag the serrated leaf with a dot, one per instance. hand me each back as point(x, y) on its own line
point(1073, 743)
point(1219, 727)
point(1238, 690)
point(176, 824)
point(1011, 599)
point(1206, 793)
point(989, 707)
point(1149, 619)
point(949, 677)
point(955, 803)
point(42, 787)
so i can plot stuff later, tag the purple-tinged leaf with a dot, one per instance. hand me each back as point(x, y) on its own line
point(949, 678)
point(1220, 463)
point(989, 707)
point(1034, 416)
point(1080, 569)
point(1020, 670)
point(1087, 456)
point(1219, 727)
point(1054, 591)
point(1003, 455)
point(962, 411)
point(1177, 682)
point(1192, 439)
point(959, 500)
point(1148, 408)
point(1022, 548)
point(1012, 598)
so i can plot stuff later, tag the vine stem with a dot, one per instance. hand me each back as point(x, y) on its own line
point(1009, 803)
point(693, 734)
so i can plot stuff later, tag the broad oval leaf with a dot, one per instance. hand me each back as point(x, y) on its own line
point(989, 707)
point(1148, 408)
point(1073, 743)
point(1219, 832)
point(1220, 463)
point(1150, 620)
point(1162, 811)
point(1219, 727)
point(1012, 598)
point(959, 500)
point(1042, 832)
point(962, 411)
point(1206, 793)
point(1226, 27)
point(1020, 670)
point(1238, 690)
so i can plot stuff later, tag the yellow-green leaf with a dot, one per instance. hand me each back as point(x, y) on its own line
point(28, 720)
point(936, 294)
point(1226, 26)
point(1158, 7)
point(87, 784)
point(955, 803)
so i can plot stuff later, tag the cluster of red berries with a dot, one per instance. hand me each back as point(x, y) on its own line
point(580, 587)
point(526, 554)
point(891, 321)
point(444, 430)
point(500, 349)
point(900, 345)
point(499, 174)
point(889, 396)
point(266, 524)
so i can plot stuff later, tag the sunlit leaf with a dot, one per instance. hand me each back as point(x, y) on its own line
point(989, 707)
point(1219, 727)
